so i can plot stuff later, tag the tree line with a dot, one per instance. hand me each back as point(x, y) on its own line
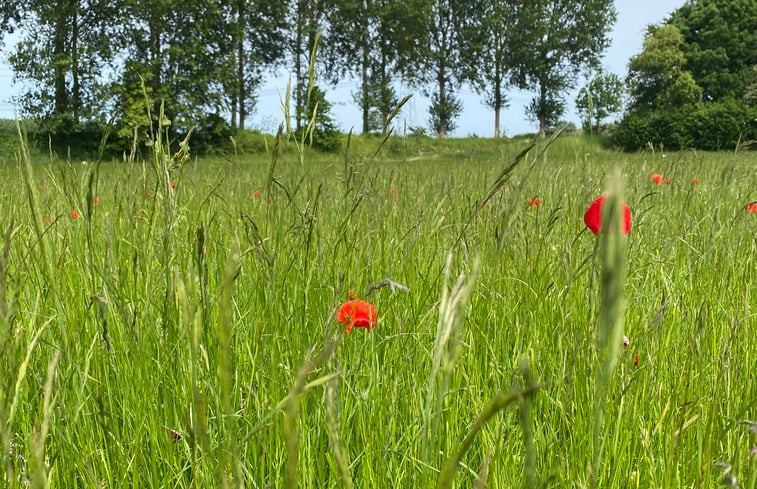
point(95, 62)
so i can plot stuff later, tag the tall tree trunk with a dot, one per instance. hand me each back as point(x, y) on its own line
point(497, 98)
point(242, 88)
point(299, 108)
point(74, 55)
point(442, 129)
point(59, 68)
point(542, 110)
point(365, 99)
point(155, 60)
point(497, 109)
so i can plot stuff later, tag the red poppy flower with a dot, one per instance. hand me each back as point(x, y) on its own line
point(75, 214)
point(535, 202)
point(668, 181)
point(656, 178)
point(593, 216)
point(751, 207)
point(695, 181)
point(257, 194)
point(357, 314)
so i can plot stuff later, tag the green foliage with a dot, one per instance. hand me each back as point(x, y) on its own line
point(599, 99)
point(443, 112)
point(657, 77)
point(376, 41)
point(709, 126)
point(554, 41)
point(719, 44)
point(325, 134)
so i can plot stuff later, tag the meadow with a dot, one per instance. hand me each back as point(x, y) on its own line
point(172, 322)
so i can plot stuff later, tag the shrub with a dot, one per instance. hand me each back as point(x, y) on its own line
point(708, 126)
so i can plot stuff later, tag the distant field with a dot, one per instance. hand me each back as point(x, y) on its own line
point(172, 323)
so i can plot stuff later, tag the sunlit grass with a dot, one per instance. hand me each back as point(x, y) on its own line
point(176, 337)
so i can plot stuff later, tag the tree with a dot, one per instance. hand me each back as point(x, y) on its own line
point(376, 41)
point(178, 54)
point(600, 98)
point(10, 14)
point(255, 36)
point(62, 57)
point(488, 54)
point(719, 44)
point(307, 22)
point(447, 25)
point(556, 41)
point(657, 78)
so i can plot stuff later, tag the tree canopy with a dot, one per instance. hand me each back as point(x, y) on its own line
point(692, 85)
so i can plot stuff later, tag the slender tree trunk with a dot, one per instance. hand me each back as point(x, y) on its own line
point(74, 55)
point(365, 102)
point(497, 99)
point(299, 82)
point(156, 60)
point(542, 110)
point(497, 109)
point(242, 88)
point(442, 129)
point(233, 87)
point(59, 68)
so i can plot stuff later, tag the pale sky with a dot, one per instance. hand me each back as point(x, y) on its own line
point(627, 36)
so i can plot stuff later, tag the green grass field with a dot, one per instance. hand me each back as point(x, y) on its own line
point(161, 337)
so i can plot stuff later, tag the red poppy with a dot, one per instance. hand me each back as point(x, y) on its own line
point(751, 207)
point(656, 178)
point(75, 214)
point(257, 194)
point(593, 216)
point(668, 181)
point(174, 185)
point(636, 360)
point(695, 181)
point(535, 202)
point(357, 314)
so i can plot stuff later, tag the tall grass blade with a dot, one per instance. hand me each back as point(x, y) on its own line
point(611, 309)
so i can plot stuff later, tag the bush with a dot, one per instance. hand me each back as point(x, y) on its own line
point(708, 126)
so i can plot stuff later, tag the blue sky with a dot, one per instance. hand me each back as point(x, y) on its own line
point(627, 36)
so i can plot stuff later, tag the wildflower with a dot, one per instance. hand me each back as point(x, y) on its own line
point(75, 214)
point(535, 202)
point(695, 181)
point(593, 216)
point(174, 185)
point(656, 178)
point(257, 194)
point(751, 207)
point(668, 181)
point(636, 360)
point(357, 314)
